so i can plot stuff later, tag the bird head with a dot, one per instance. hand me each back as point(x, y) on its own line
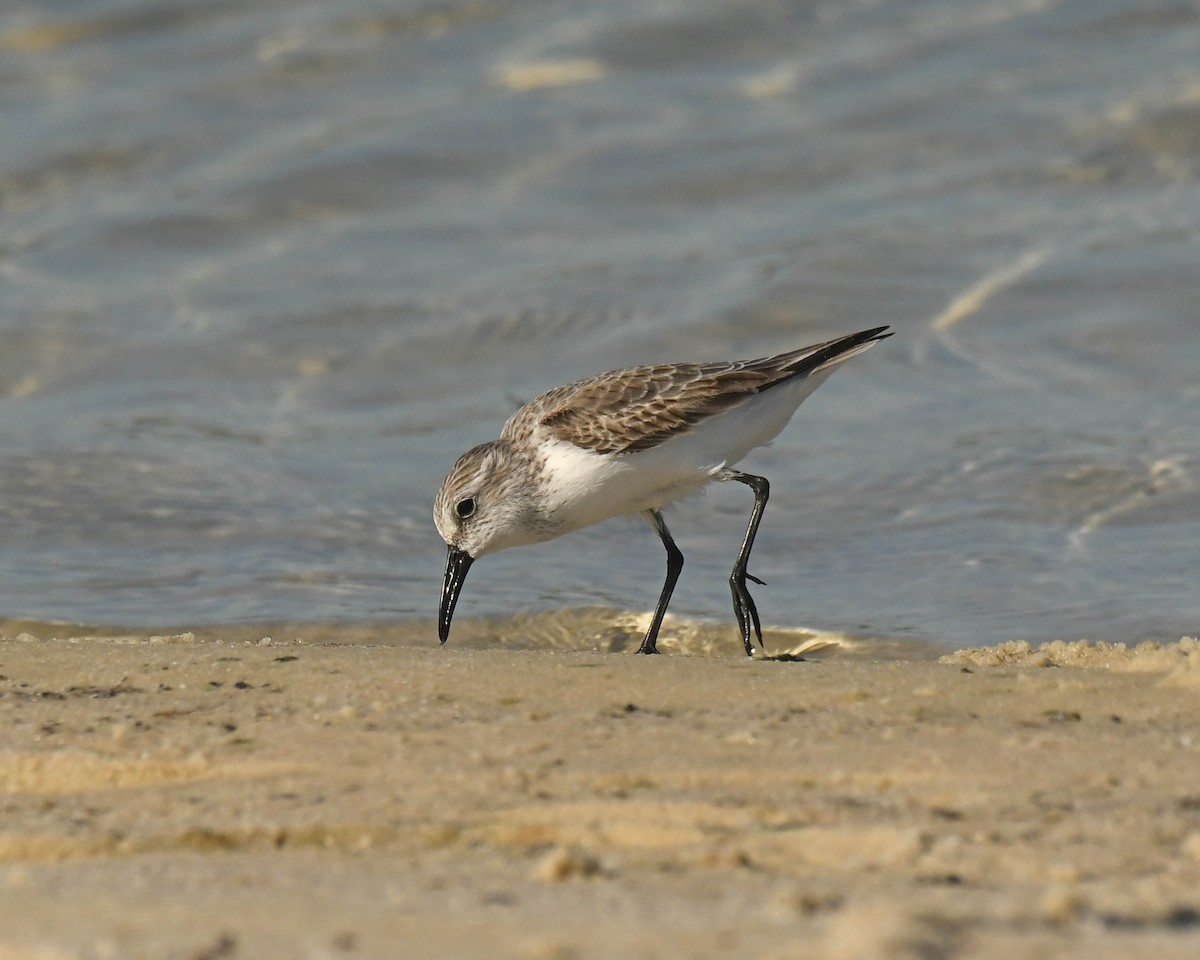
point(483, 505)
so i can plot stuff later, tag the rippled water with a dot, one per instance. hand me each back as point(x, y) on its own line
point(267, 267)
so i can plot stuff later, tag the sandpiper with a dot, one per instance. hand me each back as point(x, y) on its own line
point(629, 441)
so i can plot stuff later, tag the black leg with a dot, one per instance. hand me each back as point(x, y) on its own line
point(743, 604)
point(674, 565)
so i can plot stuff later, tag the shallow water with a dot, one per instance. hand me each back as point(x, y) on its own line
point(266, 268)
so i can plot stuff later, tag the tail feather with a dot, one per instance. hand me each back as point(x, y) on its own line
point(821, 356)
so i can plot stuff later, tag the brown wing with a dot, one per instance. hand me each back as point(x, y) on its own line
point(640, 408)
point(635, 409)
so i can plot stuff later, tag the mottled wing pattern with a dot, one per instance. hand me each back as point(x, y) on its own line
point(635, 409)
point(639, 408)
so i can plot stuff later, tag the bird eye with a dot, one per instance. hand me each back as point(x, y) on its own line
point(465, 508)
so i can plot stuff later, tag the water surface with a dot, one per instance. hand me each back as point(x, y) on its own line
point(267, 267)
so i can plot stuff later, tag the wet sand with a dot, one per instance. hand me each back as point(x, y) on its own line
point(328, 793)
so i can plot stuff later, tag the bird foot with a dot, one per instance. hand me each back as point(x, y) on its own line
point(745, 610)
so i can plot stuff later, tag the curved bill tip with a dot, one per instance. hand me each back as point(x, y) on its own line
point(458, 562)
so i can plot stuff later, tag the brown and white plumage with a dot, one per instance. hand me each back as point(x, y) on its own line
point(624, 442)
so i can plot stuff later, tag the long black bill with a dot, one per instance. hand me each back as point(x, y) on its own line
point(458, 562)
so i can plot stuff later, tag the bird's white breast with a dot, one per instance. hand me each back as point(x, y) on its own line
point(580, 487)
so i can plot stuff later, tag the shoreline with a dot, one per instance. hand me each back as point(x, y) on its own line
point(600, 630)
point(222, 796)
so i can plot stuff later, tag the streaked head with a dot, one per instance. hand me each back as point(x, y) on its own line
point(484, 505)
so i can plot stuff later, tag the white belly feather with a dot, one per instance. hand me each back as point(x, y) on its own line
point(585, 487)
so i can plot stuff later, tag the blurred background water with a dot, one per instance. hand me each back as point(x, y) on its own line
point(268, 266)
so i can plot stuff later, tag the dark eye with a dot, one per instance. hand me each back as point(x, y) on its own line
point(465, 508)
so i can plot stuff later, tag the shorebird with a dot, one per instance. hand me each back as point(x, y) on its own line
point(625, 442)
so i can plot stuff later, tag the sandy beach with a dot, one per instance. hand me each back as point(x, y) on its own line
point(327, 794)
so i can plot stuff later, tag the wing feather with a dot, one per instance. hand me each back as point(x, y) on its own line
point(638, 408)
